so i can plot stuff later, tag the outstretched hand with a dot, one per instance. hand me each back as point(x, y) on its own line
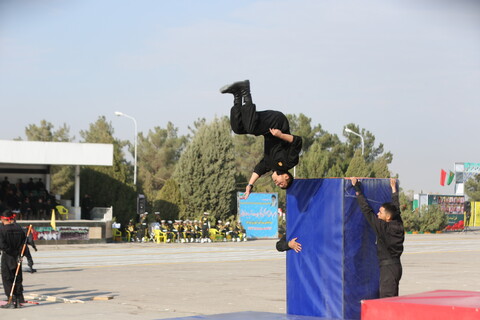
point(393, 184)
point(248, 189)
point(354, 181)
point(275, 132)
point(293, 244)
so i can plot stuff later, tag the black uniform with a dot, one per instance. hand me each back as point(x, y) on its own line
point(27, 253)
point(205, 227)
point(282, 244)
point(279, 155)
point(390, 237)
point(12, 238)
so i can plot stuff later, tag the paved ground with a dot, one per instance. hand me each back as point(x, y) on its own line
point(158, 281)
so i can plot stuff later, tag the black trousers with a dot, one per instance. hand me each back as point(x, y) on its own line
point(205, 233)
point(244, 119)
point(390, 275)
point(8, 275)
point(28, 255)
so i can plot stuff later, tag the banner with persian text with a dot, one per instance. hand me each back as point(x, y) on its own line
point(258, 214)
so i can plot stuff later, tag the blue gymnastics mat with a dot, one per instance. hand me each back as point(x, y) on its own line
point(338, 266)
point(250, 315)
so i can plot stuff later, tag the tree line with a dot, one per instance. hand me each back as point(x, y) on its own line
point(184, 175)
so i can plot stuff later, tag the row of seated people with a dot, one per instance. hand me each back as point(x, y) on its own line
point(184, 231)
point(29, 201)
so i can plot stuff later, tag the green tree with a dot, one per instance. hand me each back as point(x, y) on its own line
point(62, 177)
point(358, 167)
point(432, 219)
point(472, 188)
point(248, 151)
point(301, 126)
point(109, 186)
point(106, 191)
point(45, 132)
point(169, 202)
point(102, 131)
point(158, 154)
point(206, 171)
point(380, 168)
point(371, 152)
point(315, 163)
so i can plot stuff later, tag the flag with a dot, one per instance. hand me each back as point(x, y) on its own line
point(443, 175)
point(53, 223)
point(450, 177)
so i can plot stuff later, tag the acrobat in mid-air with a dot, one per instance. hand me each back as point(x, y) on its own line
point(281, 149)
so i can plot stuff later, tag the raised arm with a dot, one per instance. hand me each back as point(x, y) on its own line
point(367, 211)
point(395, 197)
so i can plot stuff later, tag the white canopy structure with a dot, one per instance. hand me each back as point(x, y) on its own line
point(38, 156)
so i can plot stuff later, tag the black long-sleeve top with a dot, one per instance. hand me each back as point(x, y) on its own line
point(282, 244)
point(279, 155)
point(390, 235)
point(12, 238)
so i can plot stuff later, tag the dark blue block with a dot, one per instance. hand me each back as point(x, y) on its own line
point(338, 266)
point(250, 315)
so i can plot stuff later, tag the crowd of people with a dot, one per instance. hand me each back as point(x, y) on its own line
point(29, 201)
point(199, 231)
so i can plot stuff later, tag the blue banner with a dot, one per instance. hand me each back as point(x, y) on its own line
point(258, 214)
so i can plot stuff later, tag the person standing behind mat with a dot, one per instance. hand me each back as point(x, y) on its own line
point(388, 227)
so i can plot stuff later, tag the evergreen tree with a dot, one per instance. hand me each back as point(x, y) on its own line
point(472, 188)
point(109, 186)
point(62, 177)
point(335, 172)
point(206, 171)
point(301, 126)
point(380, 168)
point(314, 163)
point(102, 132)
point(358, 167)
point(169, 202)
point(158, 154)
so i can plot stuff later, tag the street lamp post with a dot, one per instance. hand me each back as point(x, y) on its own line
point(121, 114)
point(357, 134)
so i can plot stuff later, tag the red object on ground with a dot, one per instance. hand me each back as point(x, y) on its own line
point(432, 305)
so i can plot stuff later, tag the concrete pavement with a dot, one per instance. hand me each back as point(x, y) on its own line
point(158, 281)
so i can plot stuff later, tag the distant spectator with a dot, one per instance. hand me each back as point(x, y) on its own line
point(86, 207)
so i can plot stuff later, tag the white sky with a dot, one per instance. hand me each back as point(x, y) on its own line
point(408, 71)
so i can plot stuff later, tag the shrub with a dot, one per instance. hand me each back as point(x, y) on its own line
point(427, 219)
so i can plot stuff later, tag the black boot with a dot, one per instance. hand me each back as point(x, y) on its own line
point(18, 302)
point(32, 270)
point(10, 305)
point(242, 87)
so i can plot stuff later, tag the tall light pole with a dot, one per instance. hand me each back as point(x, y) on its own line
point(121, 114)
point(357, 134)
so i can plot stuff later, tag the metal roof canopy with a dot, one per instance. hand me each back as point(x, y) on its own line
point(21, 154)
point(56, 153)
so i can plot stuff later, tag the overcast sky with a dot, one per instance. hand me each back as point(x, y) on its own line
point(408, 71)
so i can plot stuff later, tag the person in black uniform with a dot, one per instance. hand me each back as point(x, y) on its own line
point(205, 228)
point(284, 245)
point(388, 227)
point(28, 254)
point(12, 238)
point(281, 149)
